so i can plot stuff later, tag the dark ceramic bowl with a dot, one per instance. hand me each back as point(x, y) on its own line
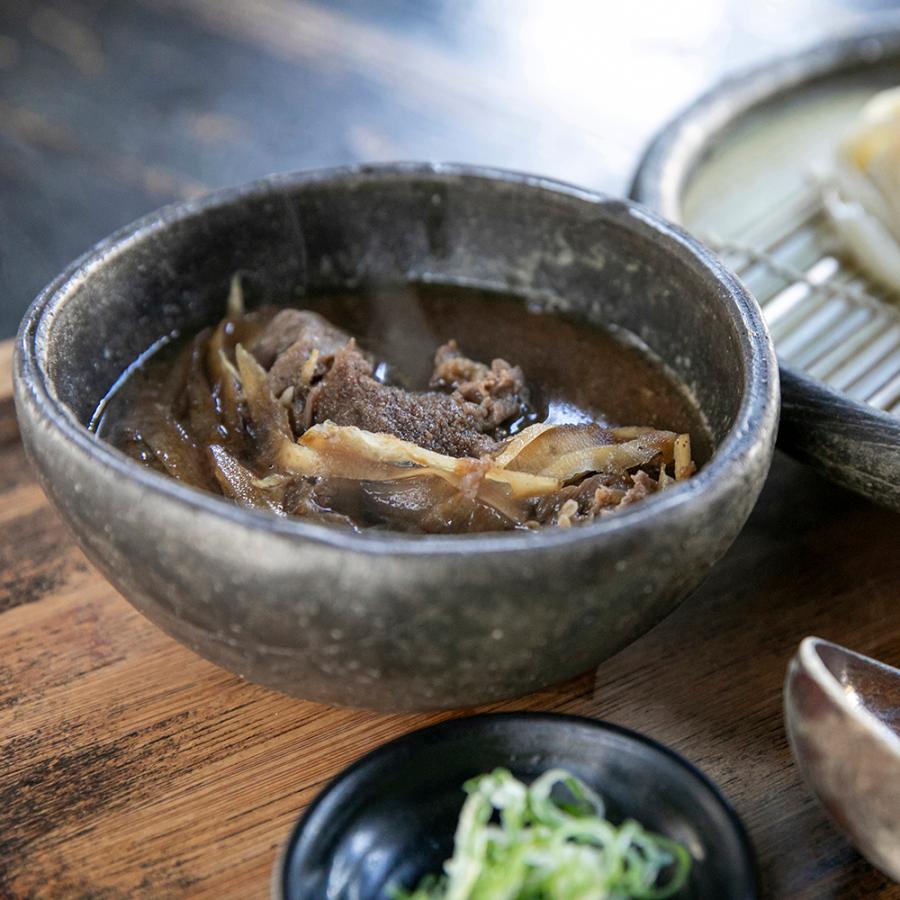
point(383, 620)
point(389, 818)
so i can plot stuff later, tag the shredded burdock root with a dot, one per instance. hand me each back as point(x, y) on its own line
point(285, 414)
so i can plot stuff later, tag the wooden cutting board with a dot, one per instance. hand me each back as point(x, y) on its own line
point(131, 768)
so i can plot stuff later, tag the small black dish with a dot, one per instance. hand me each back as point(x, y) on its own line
point(389, 818)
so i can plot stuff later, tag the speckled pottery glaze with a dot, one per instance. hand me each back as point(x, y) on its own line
point(382, 620)
point(842, 713)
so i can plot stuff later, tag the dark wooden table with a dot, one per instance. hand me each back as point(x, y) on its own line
point(110, 108)
point(130, 768)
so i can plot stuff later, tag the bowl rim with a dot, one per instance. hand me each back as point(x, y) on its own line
point(429, 733)
point(668, 162)
point(810, 659)
point(751, 432)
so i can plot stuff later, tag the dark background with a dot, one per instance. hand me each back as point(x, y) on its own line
point(111, 109)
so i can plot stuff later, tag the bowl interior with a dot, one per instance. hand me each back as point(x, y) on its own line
point(866, 682)
point(390, 819)
point(603, 260)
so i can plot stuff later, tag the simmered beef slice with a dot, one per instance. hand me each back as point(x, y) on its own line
point(595, 496)
point(287, 342)
point(328, 378)
point(499, 390)
point(349, 395)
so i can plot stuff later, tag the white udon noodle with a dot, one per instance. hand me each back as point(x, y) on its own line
point(861, 190)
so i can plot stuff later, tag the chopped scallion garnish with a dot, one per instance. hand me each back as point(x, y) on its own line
point(550, 841)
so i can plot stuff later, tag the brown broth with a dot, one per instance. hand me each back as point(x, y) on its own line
point(576, 372)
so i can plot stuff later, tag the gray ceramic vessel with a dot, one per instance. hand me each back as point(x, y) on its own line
point(382, 620)
point(852, 443)
point(842, 714)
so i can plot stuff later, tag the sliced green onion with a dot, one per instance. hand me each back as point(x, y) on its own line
point(550, 841)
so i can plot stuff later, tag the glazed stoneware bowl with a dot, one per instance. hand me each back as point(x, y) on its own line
point(842, 713)
point(382, 620)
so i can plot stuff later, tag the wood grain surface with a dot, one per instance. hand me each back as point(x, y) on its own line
point(131, 768)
